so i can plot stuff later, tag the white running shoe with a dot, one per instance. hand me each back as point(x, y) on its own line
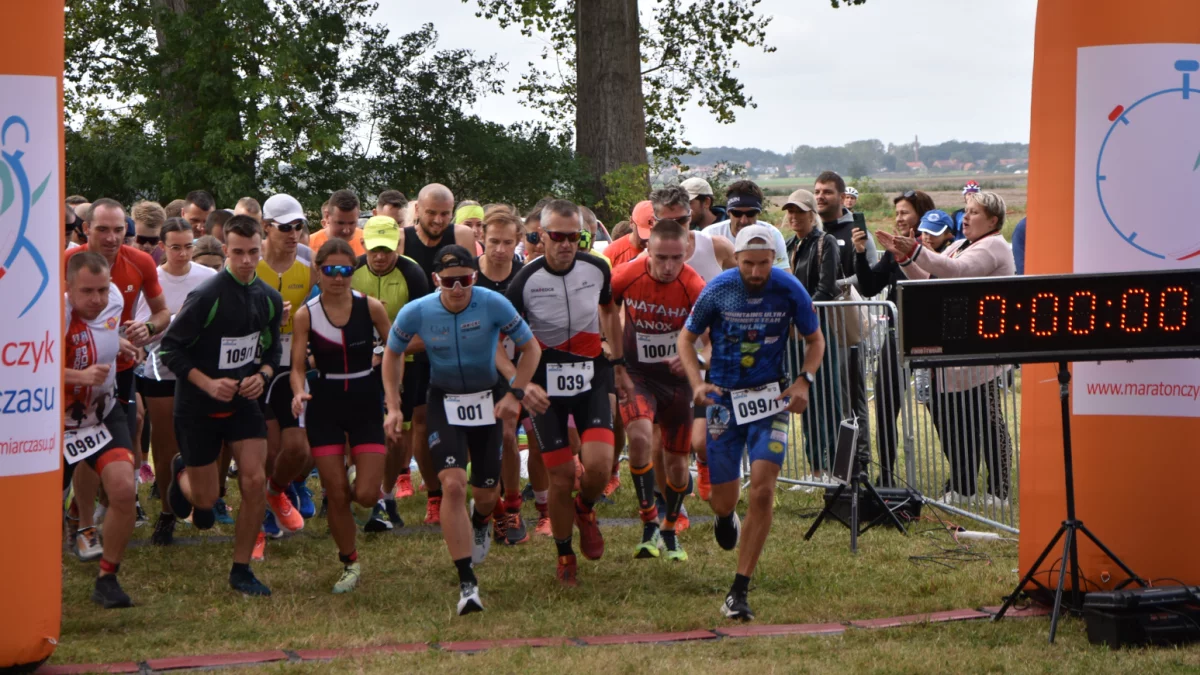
point(481, 539)
point(87, 545)
point(468, 600)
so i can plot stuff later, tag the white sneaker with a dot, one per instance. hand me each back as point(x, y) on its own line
point(468, 600)
point(951, 497)
point(992, 501)
point(481, 541)
point(101, 512)
point(87, 545)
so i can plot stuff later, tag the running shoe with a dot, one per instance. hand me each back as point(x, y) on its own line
point(527, 493)
point(543, 522)
point(301, 498)
point(221, 512)
point(247, 584)
point(349, 579)
point(164, 530)
point(683, 522)
point(737, 607)
point(203, 519)
point(433, 511)
point(180, 506)
point(270, 527)
point(591, 541)
point(100, 513)
point(404, 488)
point(500, 526)
point(481, 540)
point(651, 543)
point(87, 545)
point(378, 522)
point(468, 598)
point(288, 518)
point(393, 514)
point(727, 531)
point(568, 571)
point(613, 483)
point(515, 532)
point(145, 474)
point(703, 482)
point(142, 519)
point(676, 554)
point(260, 547)
point(108, 593)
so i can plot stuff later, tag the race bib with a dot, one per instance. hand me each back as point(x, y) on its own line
point(754, 404)
point(568, 379)
point(470, 410)
point(285, 342)
point(657, 348)
point(510, 347)
point(237, 352)
point(82, 443)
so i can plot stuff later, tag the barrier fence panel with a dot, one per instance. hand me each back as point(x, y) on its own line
point(950, 434)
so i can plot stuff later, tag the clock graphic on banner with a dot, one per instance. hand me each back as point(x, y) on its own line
point(1148, 170)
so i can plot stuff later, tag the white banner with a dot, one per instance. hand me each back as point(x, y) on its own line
point(31, 315)
point(1137, 203)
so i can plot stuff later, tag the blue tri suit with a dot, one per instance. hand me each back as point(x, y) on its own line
point(749, 334)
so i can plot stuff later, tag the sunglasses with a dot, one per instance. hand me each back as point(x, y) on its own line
point(559, 237)
point(740, 213)
point(908, 194)
point(147, 241)
point(462, 281)
point(288, 227)
point(338, 271)
point(532, 237)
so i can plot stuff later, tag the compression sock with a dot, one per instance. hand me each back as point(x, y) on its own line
point(741, 583)
point(643, 486)
point(668, 537)
point(564, 546)
point(674, 500)
point(466, 575)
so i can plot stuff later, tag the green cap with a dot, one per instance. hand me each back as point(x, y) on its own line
point(381, 232)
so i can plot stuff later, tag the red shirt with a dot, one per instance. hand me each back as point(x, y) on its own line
point(654, 312)
point(622, 250)
point(132, 273)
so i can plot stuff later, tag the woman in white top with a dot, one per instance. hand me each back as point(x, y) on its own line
point(178, 276)
point(967, 410)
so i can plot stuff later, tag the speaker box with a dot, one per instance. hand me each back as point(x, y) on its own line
point(901, 501)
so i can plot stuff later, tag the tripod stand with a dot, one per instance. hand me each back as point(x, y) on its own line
point(858, 480)
point(1068, 531)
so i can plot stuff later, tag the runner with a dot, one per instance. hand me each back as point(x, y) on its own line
point(749, 313)
point(394, 281)
point(288, 455)
point(658, 292)
point(340, 220)
point(133, 273)
point(224, 348)
point(460, 327)
point(340, 325)
point(433, 229)
point(567, 297)
point(627, 248)
point(95, 429)
point(179, 277)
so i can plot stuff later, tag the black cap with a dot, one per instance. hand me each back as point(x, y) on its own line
point(454, 256)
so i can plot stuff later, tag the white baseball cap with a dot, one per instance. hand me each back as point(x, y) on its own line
point(747, 239)
point(697, 187)
point(283, 208)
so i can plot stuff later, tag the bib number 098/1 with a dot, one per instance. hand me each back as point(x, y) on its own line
point(568, 379)
point(79, 444)
point(470, 410)
point(754, 404)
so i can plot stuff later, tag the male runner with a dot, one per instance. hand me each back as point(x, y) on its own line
point(460, 327)
point(658, 292)
point(340, 221)
point(749, 313)
point(433, 229)
point(95, 429)
point(566, 296)
point(224, 349)
point(394, 281)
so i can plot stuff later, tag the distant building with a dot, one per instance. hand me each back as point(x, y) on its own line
point(917, 167)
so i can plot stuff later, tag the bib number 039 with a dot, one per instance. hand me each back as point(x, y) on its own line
point(470, 410)
point(754, 404)
point(568, 379)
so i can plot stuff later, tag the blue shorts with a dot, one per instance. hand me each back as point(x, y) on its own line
point(764, 439)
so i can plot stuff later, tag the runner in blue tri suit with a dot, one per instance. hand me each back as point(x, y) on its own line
point(749, 313)
point(460, 327)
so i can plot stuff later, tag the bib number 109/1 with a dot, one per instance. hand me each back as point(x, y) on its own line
point(470, 410)
point(754, 404)
point(237, 352)
point(568, 379)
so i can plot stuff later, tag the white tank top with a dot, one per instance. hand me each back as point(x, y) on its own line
point(704, 259)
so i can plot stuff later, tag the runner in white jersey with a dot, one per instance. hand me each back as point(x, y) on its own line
point(95, 429)
point(178, 276)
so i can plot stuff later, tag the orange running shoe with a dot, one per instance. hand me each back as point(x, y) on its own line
point(404, 486)
point(613, 484)
point(682, 524)
point(591, 541)
point(260, 547)
point(543, 521)
point(433, 511)
point(288, 518)
point(703, 484)
point(568, 571)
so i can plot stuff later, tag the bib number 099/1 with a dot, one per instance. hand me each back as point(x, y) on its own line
point(470, 410)
point(754, 404)
point(568, 379)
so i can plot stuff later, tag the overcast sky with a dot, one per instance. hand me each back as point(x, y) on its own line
point(890, 69)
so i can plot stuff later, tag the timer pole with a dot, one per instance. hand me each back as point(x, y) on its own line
point(1068, 531)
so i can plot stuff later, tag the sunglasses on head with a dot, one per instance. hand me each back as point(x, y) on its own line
point(908, 194)
point(288, 227)
point(462, 281)
point(742, 213)
point(147, 241)
point(338, 270)
point(532, 237)
point(559, 237)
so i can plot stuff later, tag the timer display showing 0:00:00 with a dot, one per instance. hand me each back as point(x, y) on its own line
point(1137, 310)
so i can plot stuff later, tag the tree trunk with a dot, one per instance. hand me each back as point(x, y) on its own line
point(610, 122)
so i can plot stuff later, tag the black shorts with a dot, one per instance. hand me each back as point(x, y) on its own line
point(151, 388)
point(276, 401)
point(331, 420)
point(453, 446)
point(125, 386)
point(415, 388)
point(121, 442)
point(593, 419)
point(200, 438)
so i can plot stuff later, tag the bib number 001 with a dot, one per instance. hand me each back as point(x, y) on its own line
point(470, 410)
point(568, 379)
point(754, 404)
point(79, 444)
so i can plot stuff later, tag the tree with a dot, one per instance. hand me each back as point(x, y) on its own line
point(623, 82)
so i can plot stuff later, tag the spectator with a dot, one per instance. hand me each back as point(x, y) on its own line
point(881, 277)
point(196, 208)
point(744, 202)
point(971, 188)
point(215, 223)
point(966, 400)
point(1018, 247)
point(850, 199)
point(174, 208)
point(148, 220)
point(814, 261)
point(248, 206)
point(704, 212)
point(936, 230)
point(208, 252)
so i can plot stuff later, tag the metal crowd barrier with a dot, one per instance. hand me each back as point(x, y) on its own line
point(952, 434)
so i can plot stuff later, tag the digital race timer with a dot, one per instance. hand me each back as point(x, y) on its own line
point(1032, 319)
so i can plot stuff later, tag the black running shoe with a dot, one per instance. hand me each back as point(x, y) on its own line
point(737, 607)
point(393, 515)
point(108, 593)
point(164, 530)
point(142, 518)
point(379, 520)
point(247, 584)
point(204, 519)
point(728, 531)
point(179, 503)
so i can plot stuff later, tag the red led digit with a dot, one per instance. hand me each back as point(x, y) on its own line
point(1172, 318)
point(997, 318)
point(1126, 325)
point(1043, 299)
point(1081, 302)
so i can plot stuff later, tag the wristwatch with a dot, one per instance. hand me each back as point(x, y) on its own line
point(617, 362)
point(151, 329)
point(266, 378)
point(378, 350)
point(808, 377)
point(518, 394)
